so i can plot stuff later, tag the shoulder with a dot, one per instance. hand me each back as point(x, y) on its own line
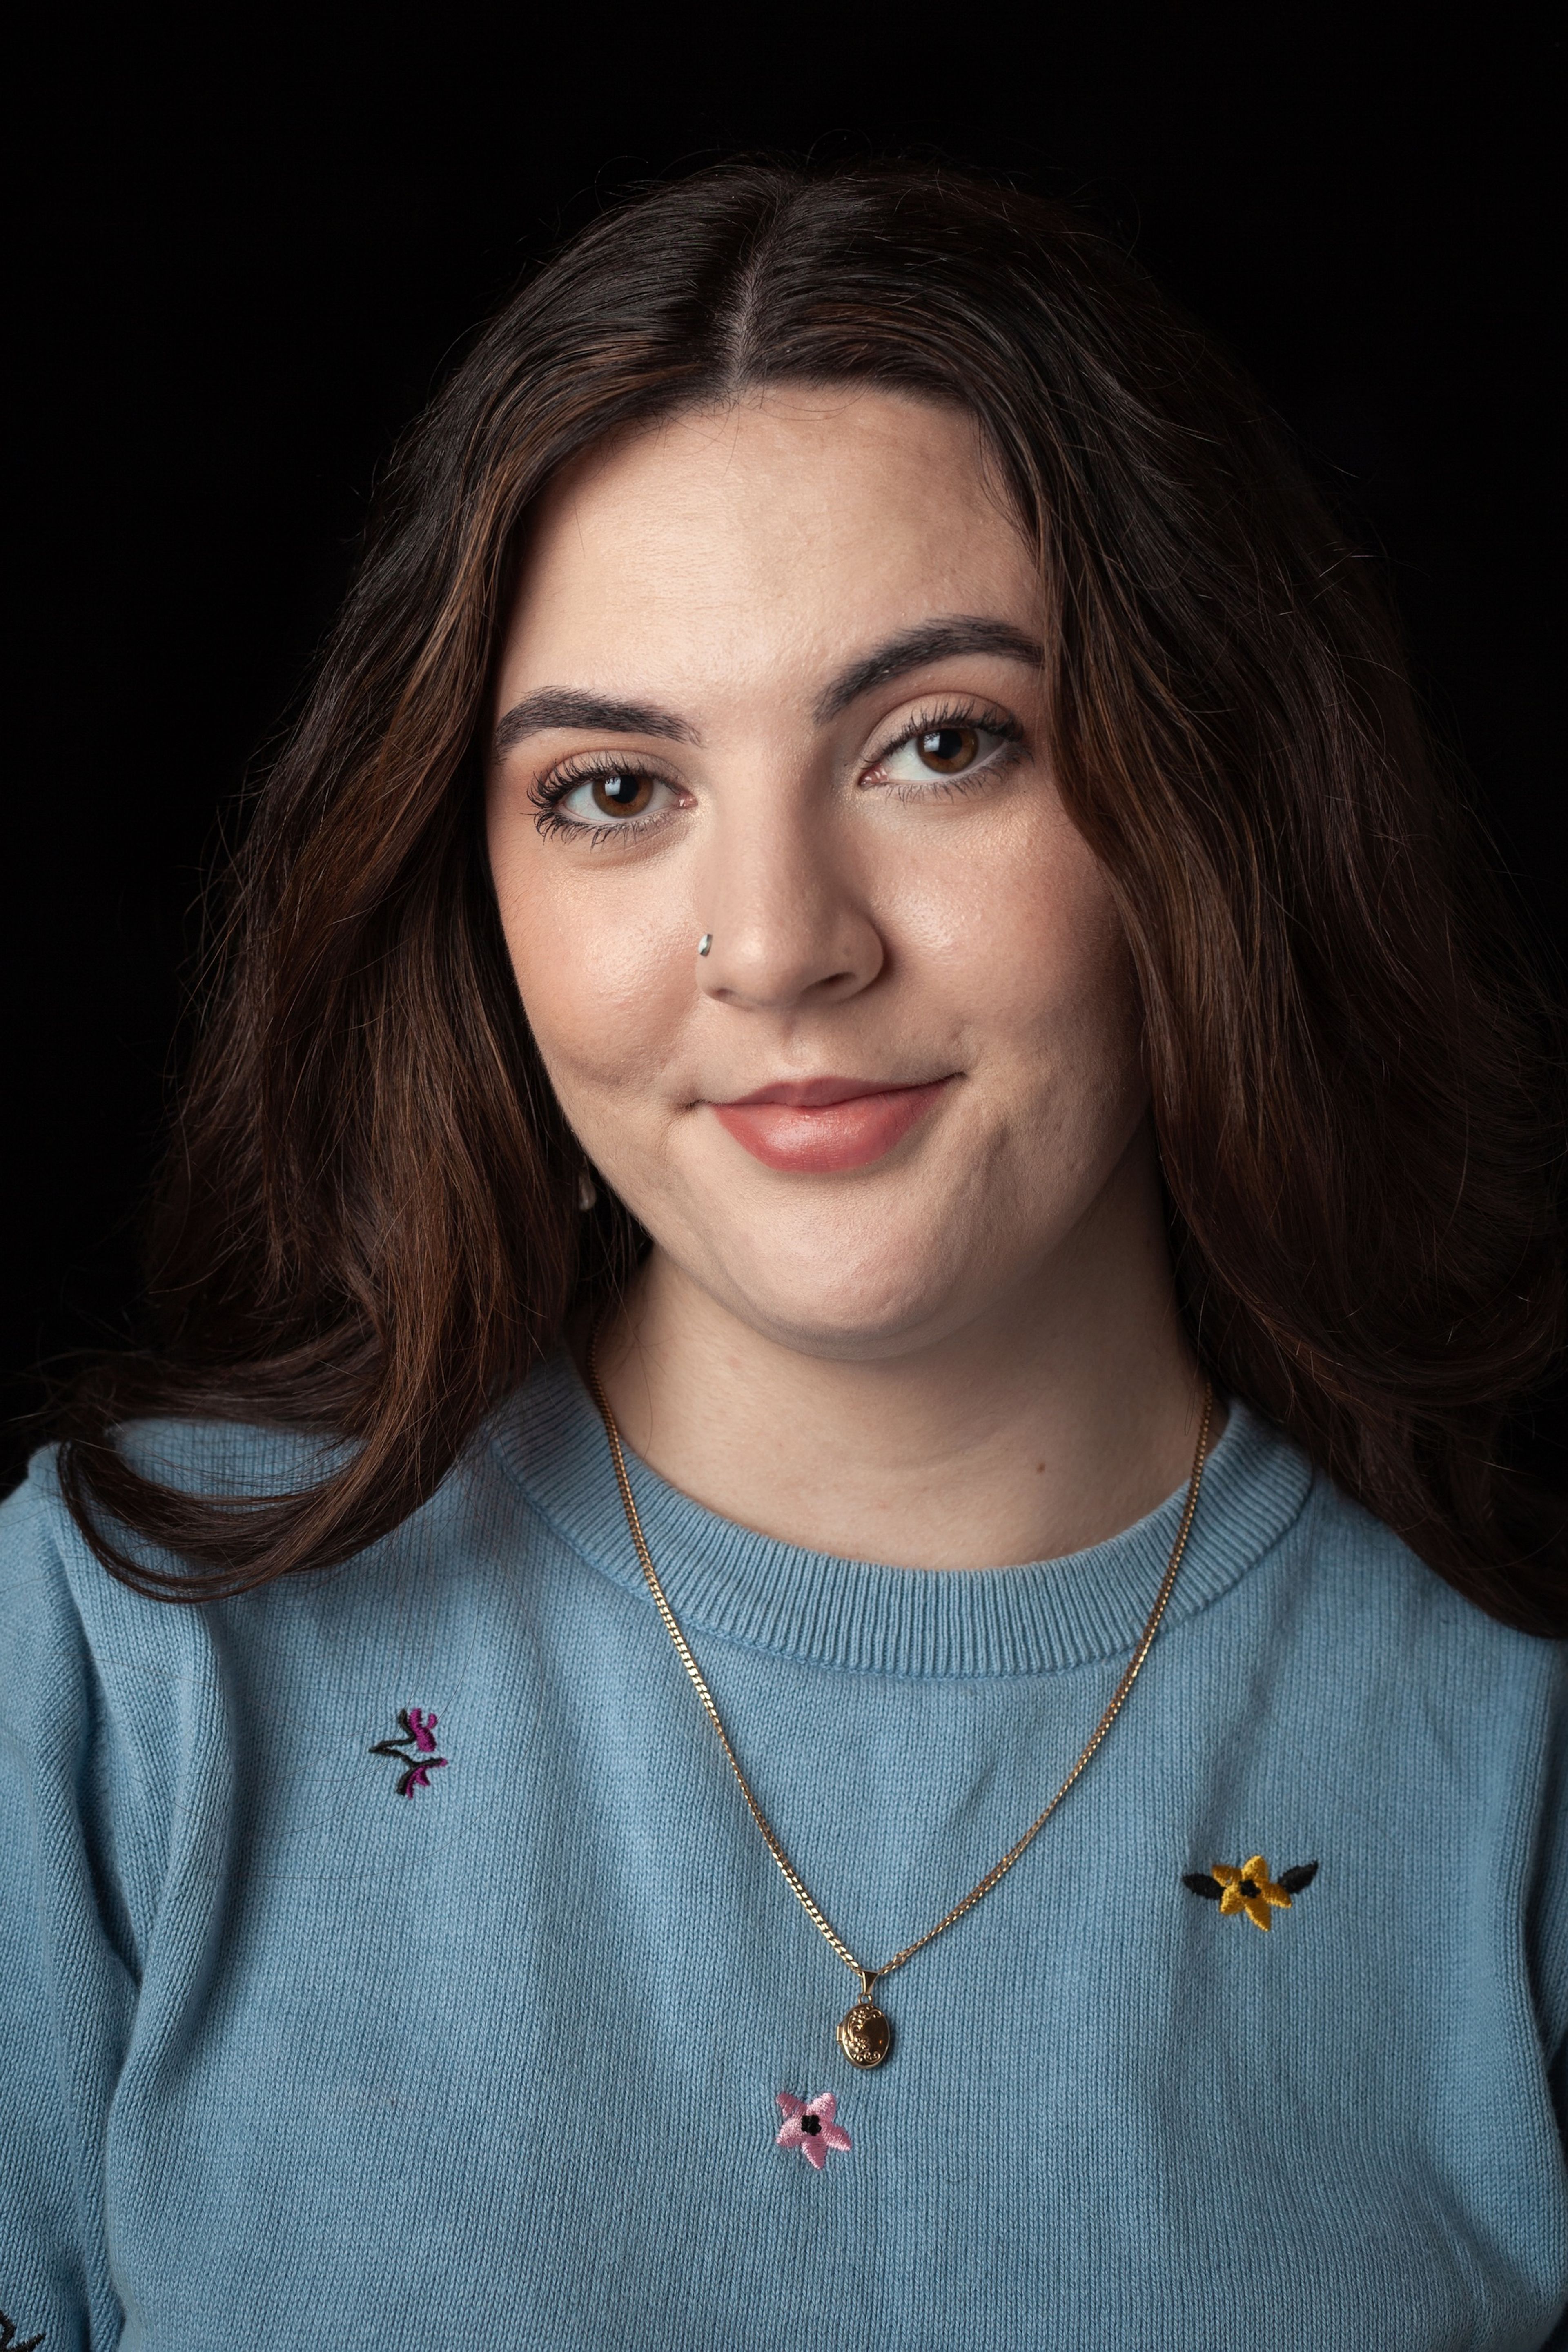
point(1316, 1581)
point(89, 1659)
point(57, 1596)
point(1434, 1737)
point(1385, 1600)
point(1425, 1688)
point(59, 1603)
point(1345, 1635)
point(127, 1712)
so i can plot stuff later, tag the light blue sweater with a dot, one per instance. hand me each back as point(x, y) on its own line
point(289, 2059)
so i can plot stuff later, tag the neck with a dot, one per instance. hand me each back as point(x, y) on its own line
point(1042, 1423)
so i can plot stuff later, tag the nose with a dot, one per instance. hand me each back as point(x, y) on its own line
point(787, 923)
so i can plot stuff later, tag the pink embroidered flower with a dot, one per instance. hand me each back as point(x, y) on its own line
point(417, 1726)
point(808, 2125)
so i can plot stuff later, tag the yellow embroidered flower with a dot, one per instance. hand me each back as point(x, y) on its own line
point(1249, 1889)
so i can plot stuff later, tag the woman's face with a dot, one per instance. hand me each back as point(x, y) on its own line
point(773, 677)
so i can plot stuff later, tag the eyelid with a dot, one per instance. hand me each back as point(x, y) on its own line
point(549, 790)
point(582, 767)
point(958, 710)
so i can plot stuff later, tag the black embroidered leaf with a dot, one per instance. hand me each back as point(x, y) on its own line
point(1293, 1881)
point(403, 1719)
point(1202, 1883)
point(8, 2337)
point(382, 1747)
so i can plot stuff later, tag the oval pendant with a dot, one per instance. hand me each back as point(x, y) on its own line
point(865, 2035)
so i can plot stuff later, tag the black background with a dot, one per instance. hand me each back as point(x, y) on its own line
point(249, 265)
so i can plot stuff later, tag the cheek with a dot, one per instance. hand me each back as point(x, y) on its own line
point(597, 969)
point(1085, 992)
point(1088, 1014)
point(1028, 941)
point(1067, 1034)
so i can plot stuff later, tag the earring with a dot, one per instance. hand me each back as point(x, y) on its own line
point(587, 1191)
point(704, 943)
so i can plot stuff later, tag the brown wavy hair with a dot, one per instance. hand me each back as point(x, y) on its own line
point(369, 1225)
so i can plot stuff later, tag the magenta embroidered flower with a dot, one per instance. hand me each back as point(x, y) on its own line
point(418, 1729)
point(808, 2125)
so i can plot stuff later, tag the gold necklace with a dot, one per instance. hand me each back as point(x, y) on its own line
point(865, 2032)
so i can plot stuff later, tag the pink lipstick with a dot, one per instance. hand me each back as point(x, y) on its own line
point(820, 1127)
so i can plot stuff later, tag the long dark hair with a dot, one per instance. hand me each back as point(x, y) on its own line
point(369, 1223)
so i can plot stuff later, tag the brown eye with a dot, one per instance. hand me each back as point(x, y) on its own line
point(948, 750)
point(621, 795)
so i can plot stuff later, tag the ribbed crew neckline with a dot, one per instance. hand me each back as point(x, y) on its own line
point(859, 1615)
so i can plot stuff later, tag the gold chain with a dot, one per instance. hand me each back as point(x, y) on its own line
point(998, 1870)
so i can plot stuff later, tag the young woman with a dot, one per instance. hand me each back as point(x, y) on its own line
point(810, 1627)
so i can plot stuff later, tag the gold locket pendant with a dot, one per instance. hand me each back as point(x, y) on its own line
point(866, 2034)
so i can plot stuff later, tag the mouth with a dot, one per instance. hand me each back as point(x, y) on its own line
point(821, 1126)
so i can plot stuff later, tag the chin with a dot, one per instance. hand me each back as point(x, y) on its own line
point(839, 1303)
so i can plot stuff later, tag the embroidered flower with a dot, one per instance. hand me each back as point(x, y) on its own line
point(418, 1732)
point(1249, 1888)
point(808, 2125)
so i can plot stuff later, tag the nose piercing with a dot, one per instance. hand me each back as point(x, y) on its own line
point(704, 943)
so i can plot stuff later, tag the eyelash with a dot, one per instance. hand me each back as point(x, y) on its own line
point(984, 719)
point(547, 793)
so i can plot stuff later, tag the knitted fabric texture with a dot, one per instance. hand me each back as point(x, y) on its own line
point(283, 2058)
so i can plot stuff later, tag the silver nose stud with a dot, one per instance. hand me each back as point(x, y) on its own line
point(704, 943)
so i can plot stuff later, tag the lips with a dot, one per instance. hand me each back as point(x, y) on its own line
point(824, 1126)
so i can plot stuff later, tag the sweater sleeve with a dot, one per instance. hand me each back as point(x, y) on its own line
point(67, 1967)
point(1548, 1923)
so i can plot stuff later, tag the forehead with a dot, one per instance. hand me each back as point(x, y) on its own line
point(763, 542)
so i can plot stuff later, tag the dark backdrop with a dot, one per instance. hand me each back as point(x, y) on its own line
point(250, 266)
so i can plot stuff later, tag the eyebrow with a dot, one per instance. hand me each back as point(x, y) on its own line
point(566, 706)
point(956, 632)
point(929, 641)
